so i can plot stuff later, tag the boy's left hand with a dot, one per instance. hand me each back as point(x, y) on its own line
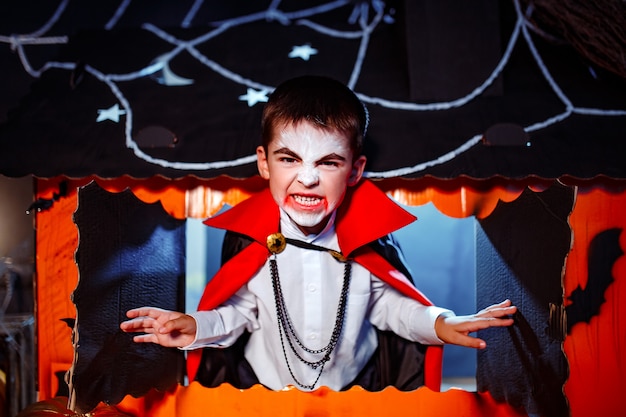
point(456, 329)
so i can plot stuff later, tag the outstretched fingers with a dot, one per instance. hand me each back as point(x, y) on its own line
point(139, 324)
point(145, 320)
point(145, 338)
point(462, 326)
point(457, 329)
point(503, 309)
point(482, 323)
point(164, 327)
point(153, 312)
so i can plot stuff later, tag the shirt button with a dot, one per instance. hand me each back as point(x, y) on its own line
point(312, 288)
point(312, 336)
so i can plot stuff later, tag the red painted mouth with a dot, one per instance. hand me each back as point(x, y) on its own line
point(307, 202)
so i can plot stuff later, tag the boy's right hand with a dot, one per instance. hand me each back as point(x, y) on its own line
point(163, 327)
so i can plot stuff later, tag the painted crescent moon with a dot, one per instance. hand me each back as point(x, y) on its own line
point(165, 75)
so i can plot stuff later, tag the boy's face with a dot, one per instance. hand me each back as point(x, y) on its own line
point(309, 170)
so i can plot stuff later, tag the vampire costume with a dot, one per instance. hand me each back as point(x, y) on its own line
point(364, 223)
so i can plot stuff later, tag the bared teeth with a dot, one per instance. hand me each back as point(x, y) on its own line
point(307, 201)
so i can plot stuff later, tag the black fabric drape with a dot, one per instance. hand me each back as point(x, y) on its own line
point(130, 254)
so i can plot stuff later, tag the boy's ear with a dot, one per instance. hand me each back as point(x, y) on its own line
point(358, 167)
point(261, 163)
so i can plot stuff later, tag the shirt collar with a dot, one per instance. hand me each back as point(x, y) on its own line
point(291, 230)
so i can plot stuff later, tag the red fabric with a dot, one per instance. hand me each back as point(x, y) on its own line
point(366, 215)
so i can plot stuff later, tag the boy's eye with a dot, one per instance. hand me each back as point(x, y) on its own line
point(287, 159)
point(329, 163)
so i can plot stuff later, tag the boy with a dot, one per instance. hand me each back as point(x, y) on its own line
point(307, 296)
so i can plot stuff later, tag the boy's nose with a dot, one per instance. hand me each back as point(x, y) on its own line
point(308, 176)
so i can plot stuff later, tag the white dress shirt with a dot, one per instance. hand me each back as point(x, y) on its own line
point(311, 283)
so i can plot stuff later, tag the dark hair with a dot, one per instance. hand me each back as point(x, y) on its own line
point(323, 101)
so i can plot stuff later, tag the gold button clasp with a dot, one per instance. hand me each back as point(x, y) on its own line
point(276, 243)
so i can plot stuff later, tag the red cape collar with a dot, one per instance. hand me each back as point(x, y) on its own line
point(365, 215)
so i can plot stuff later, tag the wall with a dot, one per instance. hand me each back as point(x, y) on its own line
point(17, 239)
point(17, 359)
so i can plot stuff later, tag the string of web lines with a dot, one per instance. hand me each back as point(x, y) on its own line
point(360, 17)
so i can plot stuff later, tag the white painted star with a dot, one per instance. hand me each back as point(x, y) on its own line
point(113, 113)
point(254, 96)
point(302, 51)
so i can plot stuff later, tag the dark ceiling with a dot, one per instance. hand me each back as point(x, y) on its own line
point(175, 88)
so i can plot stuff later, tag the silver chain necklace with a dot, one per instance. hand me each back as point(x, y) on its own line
point(285, 326)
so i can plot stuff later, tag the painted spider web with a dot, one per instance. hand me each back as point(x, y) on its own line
point(362, 19)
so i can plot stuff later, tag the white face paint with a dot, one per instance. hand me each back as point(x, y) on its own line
point(309, 170)
point(308, 175)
